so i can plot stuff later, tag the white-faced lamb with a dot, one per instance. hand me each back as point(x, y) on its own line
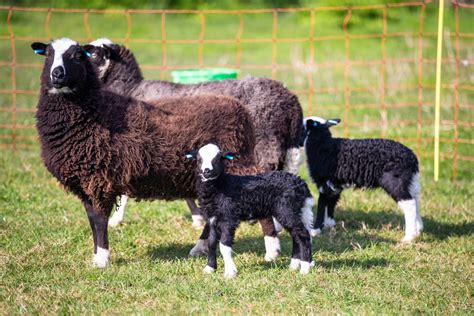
point(99, 144)
point(228, 199)
point(338, 163)
point(275, 111)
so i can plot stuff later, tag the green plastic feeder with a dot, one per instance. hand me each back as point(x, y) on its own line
point(201, 75)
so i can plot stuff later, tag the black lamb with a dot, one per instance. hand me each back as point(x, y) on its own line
point(338, 163)
point(227, 199)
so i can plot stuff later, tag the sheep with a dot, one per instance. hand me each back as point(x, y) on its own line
point(276, 112)
point(99, 144)
point(228, 199)
point(337, 163)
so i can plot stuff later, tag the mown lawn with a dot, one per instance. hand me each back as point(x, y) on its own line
point(46, 252)
point(46, 242)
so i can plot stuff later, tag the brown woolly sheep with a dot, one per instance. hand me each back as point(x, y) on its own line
point(275, 111)
point(99, 144)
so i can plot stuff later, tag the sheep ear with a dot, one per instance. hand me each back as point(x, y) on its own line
point(190, 154)
point(39, 48)
point(310, 123)
point(110, 51)
point(228, 155)
point(333, 122)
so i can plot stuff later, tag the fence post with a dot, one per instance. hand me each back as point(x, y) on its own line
point(439, 52)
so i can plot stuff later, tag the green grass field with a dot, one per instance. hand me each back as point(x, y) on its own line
point(46, 242)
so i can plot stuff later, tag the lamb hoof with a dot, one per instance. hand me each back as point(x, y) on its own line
point(100, 261)
point(198, 222)
point(315, 232)
point(329, 222)
point(294, 264)
point(230, 273)
point(208, 270)
point(408, 239)
point(269, 257)
point(306, 266)
point(114, 221)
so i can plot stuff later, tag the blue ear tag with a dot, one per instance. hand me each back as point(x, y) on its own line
point(88, 54)
point(229, 157)
point(39, 51)
point(189, 156)
point(315, 123)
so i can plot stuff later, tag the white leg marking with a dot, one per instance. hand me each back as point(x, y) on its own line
point(294, 264)
point(117, 217)
point(208, 270)
point(415, 192)
point(278, 226)
point(315, 232)
point(198, 222)
point(307, 214)
point(328, 221)
point(230, 270)
point(409, 209)
point(292, 160)
point(272, 248)
point(201, 247)
point(419, 220)
point(305, 267)
point(101, 258)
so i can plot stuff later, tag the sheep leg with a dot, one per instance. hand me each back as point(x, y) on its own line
point(409, 209)
point(225, 247)
point(295, 256)
point(305, 248)
point(202, 244)
point(117, 217)
point(198, 220)
point(98, 221)
point(329, 214)
point(319, 222)
point(272, 243)
point(211, 255)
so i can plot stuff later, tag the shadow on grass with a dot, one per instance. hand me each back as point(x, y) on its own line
point(353, 263)
point(438, 230)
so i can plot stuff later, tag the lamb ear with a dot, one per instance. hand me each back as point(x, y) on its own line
point(39, 48)
point(228, 155)
point(111, 51)
point(333, 122)
point(88, 49)
point(310, 123)
point(190, 154)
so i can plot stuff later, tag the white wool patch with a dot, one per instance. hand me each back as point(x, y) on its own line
point(307, 214)
point(294, 264)
point(409, 210)
point(208, 269)
point(101, 41)
point(208, 153)
point(230, 270)
point(272, 248)
point(60, 90)
point(415, 187)
point(292, 160)
point(314, 118)
point(101, 258)
point(305, 267)
point(60, 46)
point(117, 217)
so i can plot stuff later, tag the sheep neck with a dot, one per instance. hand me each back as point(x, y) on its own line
point(124, 73)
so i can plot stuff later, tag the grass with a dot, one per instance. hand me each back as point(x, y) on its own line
point(46, 252)
point(45, 239)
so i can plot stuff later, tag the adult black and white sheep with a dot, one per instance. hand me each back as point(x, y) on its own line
point(338, 163)
point(228, 199)
point(99, 144)
point(276, 112)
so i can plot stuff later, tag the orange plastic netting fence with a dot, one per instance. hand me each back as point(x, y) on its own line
point(13, 131)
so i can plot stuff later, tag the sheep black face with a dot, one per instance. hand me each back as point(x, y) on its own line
point(65, 69)
point(102, 51)
point(210, 161)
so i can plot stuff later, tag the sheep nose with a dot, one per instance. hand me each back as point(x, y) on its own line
point(58, 73)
